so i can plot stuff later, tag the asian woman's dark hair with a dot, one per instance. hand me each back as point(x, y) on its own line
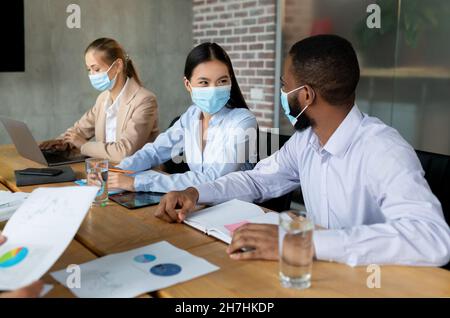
point(208, 52)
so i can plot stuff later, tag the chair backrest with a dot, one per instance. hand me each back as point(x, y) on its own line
point(437, 174)
point(264, 148)
point(171, 166)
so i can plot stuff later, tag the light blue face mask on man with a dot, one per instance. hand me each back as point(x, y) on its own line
point(287, 109)
point(101, 81)
point(211, 99)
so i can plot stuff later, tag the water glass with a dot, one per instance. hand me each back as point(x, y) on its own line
point(296, 249)
point(97, 175)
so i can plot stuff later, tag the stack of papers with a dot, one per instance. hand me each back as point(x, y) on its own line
point(9, 203)
point(135, 272)
point(223, 219)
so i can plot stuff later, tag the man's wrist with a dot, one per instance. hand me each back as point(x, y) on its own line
point(193, 192)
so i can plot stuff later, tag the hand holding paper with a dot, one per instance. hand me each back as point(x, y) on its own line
point(39, 232)
point(31, 291)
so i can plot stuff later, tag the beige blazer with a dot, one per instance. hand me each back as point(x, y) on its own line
point(137, 124)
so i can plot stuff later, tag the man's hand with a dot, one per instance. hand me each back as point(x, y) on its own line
point(74, 139)
point(175, 205)
point(33, 290)
point(259, 241)
point(254, 241)
point(56, 144)
point(120, 181)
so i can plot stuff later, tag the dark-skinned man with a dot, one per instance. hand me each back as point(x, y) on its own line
point(361, 181)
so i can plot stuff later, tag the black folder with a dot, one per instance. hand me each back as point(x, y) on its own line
point(25, 180)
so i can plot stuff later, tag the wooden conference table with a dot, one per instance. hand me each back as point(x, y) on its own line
point(114, 228)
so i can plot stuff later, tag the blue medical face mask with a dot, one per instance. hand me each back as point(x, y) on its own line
point(287, 109)
point(101, 81)
point(211, 99)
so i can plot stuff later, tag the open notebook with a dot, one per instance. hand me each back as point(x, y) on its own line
point(223, 219)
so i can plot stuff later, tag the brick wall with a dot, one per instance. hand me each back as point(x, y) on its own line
point(297, 24)
point(246, 30)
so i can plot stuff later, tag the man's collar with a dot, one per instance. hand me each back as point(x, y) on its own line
point(343, 136)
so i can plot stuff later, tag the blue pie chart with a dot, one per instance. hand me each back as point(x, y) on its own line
point(165, 269)
point(145, 258)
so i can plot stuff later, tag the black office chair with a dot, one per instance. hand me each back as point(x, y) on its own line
point(171, 166)
point(264, 139)
point(437, 174)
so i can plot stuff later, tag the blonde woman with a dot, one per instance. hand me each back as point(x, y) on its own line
point(125, 115)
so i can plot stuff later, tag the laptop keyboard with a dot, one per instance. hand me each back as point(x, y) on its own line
point(54, 156)
point(61, 157)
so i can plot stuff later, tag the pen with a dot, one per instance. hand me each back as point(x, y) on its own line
point(246, 249)
point(121, 171)
point(9, 204)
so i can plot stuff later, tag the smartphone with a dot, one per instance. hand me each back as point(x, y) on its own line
point(40, 172)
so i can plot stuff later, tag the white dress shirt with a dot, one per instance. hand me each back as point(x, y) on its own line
point(111, 115)
point(224, 152)
point(365, 186)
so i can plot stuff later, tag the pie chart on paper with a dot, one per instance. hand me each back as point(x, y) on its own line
point(144, 258)
point(13, 257)
point(165, 269)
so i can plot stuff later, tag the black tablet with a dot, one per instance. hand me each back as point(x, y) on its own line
point(135, 200)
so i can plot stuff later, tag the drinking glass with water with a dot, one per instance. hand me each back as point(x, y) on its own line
point(97, 175)
point(296, 249)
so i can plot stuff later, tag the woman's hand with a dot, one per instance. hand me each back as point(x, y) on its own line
point(74, 139)
point(56, 144)
point(31, 291)
point(120, 181)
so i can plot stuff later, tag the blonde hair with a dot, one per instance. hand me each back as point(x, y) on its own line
point(112, 51)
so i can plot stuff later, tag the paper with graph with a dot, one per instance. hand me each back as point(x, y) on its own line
point(135, 272)
point(9, 203)
point(39, 232)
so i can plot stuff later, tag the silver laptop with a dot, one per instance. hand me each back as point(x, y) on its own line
point(27, 146)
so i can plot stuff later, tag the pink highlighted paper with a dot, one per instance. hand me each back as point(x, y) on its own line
point(235, 226)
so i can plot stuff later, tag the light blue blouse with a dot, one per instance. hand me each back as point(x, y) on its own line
point(230, 146)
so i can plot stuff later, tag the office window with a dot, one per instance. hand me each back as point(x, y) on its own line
point(405, 65)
